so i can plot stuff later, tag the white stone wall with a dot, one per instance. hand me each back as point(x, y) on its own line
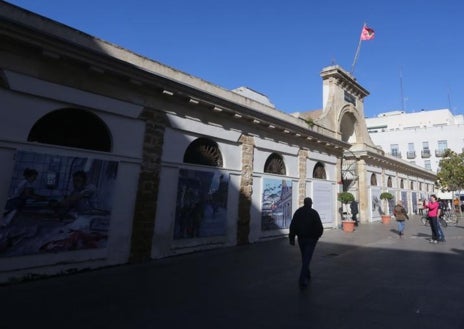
point(19, 113)
point(416, 128)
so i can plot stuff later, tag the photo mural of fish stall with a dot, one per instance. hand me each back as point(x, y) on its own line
point(57, 203)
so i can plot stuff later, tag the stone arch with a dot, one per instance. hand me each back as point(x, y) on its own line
point(203, 151)
point(275, 165)
point(348, 125)
point(319, 171)
point(389, 182)
point(74, 128)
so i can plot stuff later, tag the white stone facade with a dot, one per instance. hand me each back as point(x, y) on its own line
point(185, 166)
point(418, 137)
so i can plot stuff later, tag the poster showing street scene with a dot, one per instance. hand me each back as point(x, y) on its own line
point(201, 206)
point(376, 204)
point(276, 204)
point(404, 200)
point(57, 203)
point(323, 201)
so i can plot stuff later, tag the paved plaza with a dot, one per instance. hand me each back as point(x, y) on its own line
point(370, 278)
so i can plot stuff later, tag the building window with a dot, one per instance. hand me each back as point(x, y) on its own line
point(425, 153)
point(412, 185)
point(389, 182)
point(319, 171)
point(401, 183)
point(203, 151)
point(442, 146)
point(427, 165)
point(275, 164)
point(373, 180)
point(73, 128)
point(411, 152)
point(395, 150)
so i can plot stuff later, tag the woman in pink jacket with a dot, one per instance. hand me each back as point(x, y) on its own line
point(434, 207)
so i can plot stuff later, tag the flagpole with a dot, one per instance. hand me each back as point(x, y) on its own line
point(357, 53)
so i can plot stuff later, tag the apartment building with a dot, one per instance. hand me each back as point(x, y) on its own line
point(418, 137)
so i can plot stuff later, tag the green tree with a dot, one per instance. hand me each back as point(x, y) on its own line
point(451, 172)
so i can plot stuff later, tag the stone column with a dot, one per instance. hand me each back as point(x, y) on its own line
point(302, 158)
point(363, 191)
point(148, 185)
point(246, 190)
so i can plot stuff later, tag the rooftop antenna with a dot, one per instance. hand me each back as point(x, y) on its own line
point(401, 89)
point(449, 100)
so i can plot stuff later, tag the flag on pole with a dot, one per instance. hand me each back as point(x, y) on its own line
point(367, 33)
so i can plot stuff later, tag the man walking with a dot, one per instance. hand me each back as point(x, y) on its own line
point(354, 211)
point(307, 226)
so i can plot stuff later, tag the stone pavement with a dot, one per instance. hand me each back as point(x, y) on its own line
point(369, 279)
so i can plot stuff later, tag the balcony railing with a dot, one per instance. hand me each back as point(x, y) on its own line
point(411, 154)
point(396, 154)
point(425, 153)
point(439, 153)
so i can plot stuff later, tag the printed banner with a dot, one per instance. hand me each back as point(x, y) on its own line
point(276, 204)
point(201, 207)
point(57, 203)
point(376, 204)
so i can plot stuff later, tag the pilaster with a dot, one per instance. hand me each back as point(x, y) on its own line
point(246, 189)
point(302, 159)
point(363, 189)
point(148, 186)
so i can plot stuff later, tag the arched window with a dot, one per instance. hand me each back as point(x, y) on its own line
point(401, 183)
point(373, 180)
point(389, 182)
point(420, 186)
point(412, 185)
point(203, 151)
point(73, 128)
point(275, 165)
point(319, 171)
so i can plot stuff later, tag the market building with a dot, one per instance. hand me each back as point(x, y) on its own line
point(109, 157)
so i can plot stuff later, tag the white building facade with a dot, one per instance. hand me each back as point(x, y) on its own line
point(419, 137)
point(176, 164)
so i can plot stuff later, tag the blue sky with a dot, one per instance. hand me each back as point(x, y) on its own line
point(279, 48)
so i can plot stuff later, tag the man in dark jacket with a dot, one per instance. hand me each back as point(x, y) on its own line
point(354, 211)
point(307, 226)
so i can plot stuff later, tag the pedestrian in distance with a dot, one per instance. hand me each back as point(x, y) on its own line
point(354, 211)
point(456, 204)
point(434, 211)
point(401, 216)
point(306, 225)
point(420, 206)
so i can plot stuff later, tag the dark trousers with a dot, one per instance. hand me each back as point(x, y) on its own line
point(307, 246)
point(354, 216)
point(437, 233)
